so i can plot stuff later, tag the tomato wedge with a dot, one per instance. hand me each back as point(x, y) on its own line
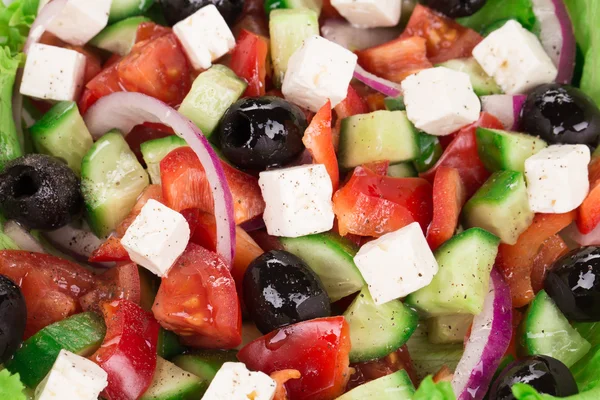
point(109, 251)
point(319, 142)
point(552, 249)
point(369, 371)
point(249, 61)
point(198, 301)
point(318, 349)
point(120, 282)
point(353, 104)
point(588, 217)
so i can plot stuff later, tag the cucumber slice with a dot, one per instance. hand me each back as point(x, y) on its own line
point(430, 151)
point(288, 29)
point(483, 84)
point(119, 38)
point(168, 345)
point(395, 103)
point(205, 364)
point(173, 383)
point(62, 133)
point(314, 5)
point(212, 93)
point(331, 257)
point(155, 150)
point(449, 329)
point(429, 357)
point(377, 136)
point(111, 181)
point(378, 330)
point(402, 170)
point(590, 331)
point(585, 371)
point(546, 331)
point(394, 386)
point(461, 284)
point(81, 334)
point(500, 150)
point(121, 9)
point(500, 206)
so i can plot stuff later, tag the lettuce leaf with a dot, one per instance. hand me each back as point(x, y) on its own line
point(522, 391)
point(10, 147)
point(496, 11)
point(15, 21)
point(11, 386)
point(434, 391)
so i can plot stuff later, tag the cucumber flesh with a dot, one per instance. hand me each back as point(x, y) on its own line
point(155, 150)
point(430, 151)
point(121, 9)
point(585, 371)
point(332, 259)
point(402, 170)
point(119, 38)
point(111, 181)
point(483, 84)
point(168, 345)
point(81, 334)
point(396, 386)
point(503, 150)
point(377, 136)
point(314, 5)
point(378, 330)
point(546, 331)
point(590, 331)
point(62, 133)
point(449, 328)
point(173, 383)
point(205, 364)
point(461, 284)
point(212, 93)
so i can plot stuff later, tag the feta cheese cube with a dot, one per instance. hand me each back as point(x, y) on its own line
point(72, 377)
point(157, 237)
point(440, 101)
point(80, 20)
point(557, 178)
point(298, 200)
point(515, 58)
point(234, 381)
point(396, 264)
point(318, 71)
point(369, 13)
point(53, 73)
point(205, 36)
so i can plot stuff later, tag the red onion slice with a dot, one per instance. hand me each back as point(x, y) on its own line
point(354, 38)
point(124, 110)
point(381, 85)
point(505, 107)
point(22, 238)
point(556, 35)
point(75, 241)
point(489, 339)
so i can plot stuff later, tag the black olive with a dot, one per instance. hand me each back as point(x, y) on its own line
point(40, 192)
point(177, 10)
point(546, 374)
point(13, 315)
point(574, 284)
point(455, 8)
point(561, 114)
point(280, 289)
point(262, 132)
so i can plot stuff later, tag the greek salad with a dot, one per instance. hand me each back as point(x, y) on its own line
point(299, 199)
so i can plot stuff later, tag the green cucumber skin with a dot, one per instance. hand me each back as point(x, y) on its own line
point(402, 170)
point(205, 364)
point(168, 345)
point(173, 383)
point(483, 84)
point(590, 331)
point(121, 9)
point(430, 151)
point(314, 5)
point(155, 150)
point(119, 37)
point(503, 150)
point(394, 386)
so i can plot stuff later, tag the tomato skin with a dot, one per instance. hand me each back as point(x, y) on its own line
point(353, 104)
point(249, 61)
point(119, 282)
point(589, 212)
point(550, 251)
point(198, 301)
point(379, 167)
point(371, 370)
point(318, 348)
point(150, 30)
point(109, 251)
point(51, 286)
point(128, 353)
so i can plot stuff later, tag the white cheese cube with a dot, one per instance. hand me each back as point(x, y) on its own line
point(515, 58)
point(298, 200)
point(157, 237)
point(80, 20)
point(234, 381)
point(205, 36)
point(396, 264)
point(369, 13)
point(557, 178)
point(53, 73)
point(440, 101)
point(72, 377)
point(318, 71)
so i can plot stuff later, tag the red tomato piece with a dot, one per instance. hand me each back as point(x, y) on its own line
point(109, 251)
point(589, 211)
point(329, 11)
point(51, 286)
point(198, 301)
point(462, 154)
point(552, 249)
point(317, 348)
point(150, 30)
point(184, 185)
point(128, 353)
point(448, 199)
point(379, 167)
point(353, 104)
point(369, 371)
point(446, 39)
point(249, 61)
point(120, 282)
point(516, 262)
point(142, 133)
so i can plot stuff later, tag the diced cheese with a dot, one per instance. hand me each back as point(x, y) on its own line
point(298, 200)
point(396, 264)
point(72, 377)
point(440, 101)
point(157, 237)
point(205, 36)
point(234, 381)
point(515, 58)
point(53, 73)
point(557, 178)
point(80, 20)
point(317, 71)
point(369, 13)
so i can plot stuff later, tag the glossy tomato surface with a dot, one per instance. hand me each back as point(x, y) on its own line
point(249, 61)
point(119, 282)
